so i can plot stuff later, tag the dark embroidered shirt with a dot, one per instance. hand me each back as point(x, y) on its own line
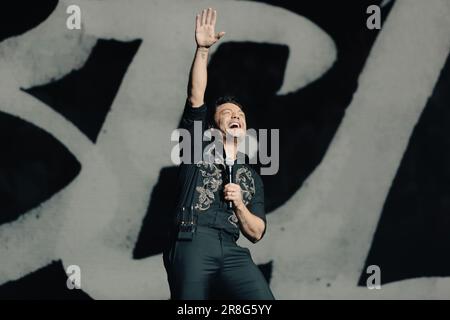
point(201, 191)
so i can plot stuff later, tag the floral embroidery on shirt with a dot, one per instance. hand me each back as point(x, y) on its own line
point(233, 220)
point(212, 180)
point(245, 179)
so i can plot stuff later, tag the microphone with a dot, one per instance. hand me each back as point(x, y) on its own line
point(229, 165)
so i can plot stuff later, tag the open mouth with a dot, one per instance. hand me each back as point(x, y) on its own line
point(234, 125)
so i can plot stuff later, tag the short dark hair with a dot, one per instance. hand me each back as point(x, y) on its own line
point(219, 102)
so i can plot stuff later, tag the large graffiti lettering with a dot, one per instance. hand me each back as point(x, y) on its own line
point(318, 239)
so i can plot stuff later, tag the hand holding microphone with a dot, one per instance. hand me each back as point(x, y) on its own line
point(232, 191)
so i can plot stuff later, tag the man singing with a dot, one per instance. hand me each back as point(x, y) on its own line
point(212, 210)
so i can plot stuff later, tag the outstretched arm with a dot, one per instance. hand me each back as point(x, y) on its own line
point(205, 37)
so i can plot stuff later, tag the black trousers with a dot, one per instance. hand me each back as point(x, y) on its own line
point(213, 263)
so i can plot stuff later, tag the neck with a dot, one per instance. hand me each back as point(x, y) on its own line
point(230, 147)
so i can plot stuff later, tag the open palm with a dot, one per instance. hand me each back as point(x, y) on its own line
point(205, 35)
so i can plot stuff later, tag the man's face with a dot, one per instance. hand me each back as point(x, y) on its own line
point(230, 119)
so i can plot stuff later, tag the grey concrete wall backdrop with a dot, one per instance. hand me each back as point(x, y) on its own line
point(323, 232)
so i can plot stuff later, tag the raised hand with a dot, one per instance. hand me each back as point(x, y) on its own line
point(205, 35)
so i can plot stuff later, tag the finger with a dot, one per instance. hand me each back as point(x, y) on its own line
point(231, 189)
point(197, 22)
point(203, 17)
point(209, 16)
point(214, 17)
point(231, 196)
point(220, 35)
